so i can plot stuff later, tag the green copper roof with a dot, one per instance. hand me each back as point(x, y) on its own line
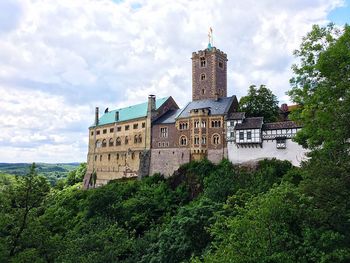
point(129, 113)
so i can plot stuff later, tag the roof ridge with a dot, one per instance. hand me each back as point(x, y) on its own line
point(140, 104)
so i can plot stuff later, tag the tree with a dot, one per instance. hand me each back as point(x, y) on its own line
point(76, 175)
point(260, 102)
point(277, 226)
point(27, 196)
point(321, 86)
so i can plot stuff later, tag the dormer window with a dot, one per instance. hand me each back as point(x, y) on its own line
point(203, 62)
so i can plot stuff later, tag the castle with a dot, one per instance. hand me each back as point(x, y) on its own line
point(157, 136)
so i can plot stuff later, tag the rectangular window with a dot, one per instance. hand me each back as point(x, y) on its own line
point(136, 126)
point(143, 125)
point(98, 132)
point(104, 131)
point(126, 127)
point(241, 136)
point(281, 143)
point(249, 135)
point(119, 128)
point(164, 132)
point(232, 134)
point(111, 130)
point(232, 123)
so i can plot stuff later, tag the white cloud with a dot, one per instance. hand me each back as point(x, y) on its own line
point(61, 58)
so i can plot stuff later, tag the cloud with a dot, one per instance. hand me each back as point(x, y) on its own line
point(60, 59)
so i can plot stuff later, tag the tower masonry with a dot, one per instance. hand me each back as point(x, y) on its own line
point(209, 74)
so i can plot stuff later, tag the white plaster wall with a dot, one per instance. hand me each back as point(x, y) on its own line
point(293, 152)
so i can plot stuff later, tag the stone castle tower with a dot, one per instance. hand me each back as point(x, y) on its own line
point(209, 74)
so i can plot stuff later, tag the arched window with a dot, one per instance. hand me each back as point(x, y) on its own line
point(215, 124)
point(133, 156)
point(109, 157)
point(183, 140)
point(126, 140)
point(98, 144)
point(196, 140)
point(202, 76)
point(101, 158)
point(140, 138)
point(118, 142)
point(111, 143)
point(104, 143)
point(135, 139)
point(216, 139)
point(202, 59)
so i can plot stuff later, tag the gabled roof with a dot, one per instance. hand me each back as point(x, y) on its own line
point(129, 113)
point(281, 125)
point(236, 116)
point(217, 107)
point(168, 117)
point(250, 123)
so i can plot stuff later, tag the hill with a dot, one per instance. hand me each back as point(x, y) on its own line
point(52, 171)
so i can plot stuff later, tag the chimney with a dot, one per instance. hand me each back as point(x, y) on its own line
point(96, 116)
point(117, 116)
point(151, 103)
point(284, 107)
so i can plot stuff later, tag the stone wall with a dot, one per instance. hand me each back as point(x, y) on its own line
point(166, 161)
point(216, 156)
point(215, 77)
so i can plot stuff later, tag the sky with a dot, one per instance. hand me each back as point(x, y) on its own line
point(61, 59)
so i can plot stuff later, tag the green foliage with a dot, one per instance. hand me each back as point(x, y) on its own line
point(53, 172)
point(260, 102)
point(278, 226)
point(77, 175)
point(321, 87)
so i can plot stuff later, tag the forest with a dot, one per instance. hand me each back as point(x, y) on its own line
point(207, 212)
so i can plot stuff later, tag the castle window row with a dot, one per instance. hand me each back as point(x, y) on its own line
point(197, 140)
point(118, 156)
point(163, 144)
point(215, 124)
point(118, 141)
point(198, 124)
point(183, 126)
point(119, 128)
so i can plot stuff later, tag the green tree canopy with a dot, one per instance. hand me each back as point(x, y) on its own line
point(260, 102)
point(321, 86)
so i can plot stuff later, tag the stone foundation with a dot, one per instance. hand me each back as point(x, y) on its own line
point(166, 161)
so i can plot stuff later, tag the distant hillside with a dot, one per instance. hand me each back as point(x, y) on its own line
point(52, 172)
